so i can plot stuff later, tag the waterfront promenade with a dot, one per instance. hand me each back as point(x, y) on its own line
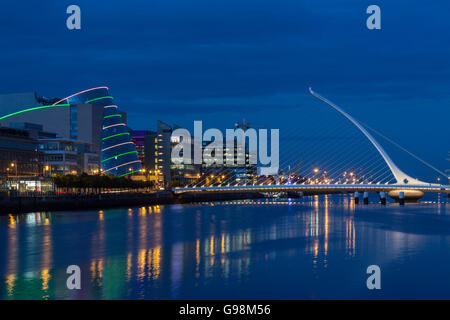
point(14, 204)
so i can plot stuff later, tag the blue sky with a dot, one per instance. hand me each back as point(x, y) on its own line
point(221, 61)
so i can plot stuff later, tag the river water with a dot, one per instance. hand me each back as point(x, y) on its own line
point(312, 248)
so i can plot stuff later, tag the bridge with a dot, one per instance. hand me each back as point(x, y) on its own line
point(404, 188)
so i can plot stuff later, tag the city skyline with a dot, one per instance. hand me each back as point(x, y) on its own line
point(220, 152)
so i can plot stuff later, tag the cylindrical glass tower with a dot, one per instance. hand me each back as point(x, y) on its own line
point(118, 154)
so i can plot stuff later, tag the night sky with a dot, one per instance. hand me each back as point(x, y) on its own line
point(221, 61)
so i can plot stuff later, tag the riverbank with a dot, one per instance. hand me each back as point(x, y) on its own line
point(25, 204)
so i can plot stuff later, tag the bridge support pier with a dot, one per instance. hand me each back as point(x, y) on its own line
point(366, 197)
point(356, 197)
point(403, 196)
point(382, 197)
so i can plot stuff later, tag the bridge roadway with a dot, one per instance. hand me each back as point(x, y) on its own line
point(320, 188)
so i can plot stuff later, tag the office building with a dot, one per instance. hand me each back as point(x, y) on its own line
point(183, 174)
point(63, 156)
point(74, 120)
point(230, 173)
point(144, 142)
point(19, 153)
point(163, 151)
point(155, 151)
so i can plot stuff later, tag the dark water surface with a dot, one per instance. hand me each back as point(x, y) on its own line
point(315, 248)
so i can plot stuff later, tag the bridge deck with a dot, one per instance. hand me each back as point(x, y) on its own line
point(318, 188)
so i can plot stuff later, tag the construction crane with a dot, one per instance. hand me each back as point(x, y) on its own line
point(297, 168)
point(244, 125)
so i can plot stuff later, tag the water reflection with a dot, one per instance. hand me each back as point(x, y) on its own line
point(201, 250)
point(97, 252)
point(46, 258)
point(12, 254)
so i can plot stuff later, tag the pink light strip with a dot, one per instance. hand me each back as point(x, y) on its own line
point(111, 106)
point(113, 125)
point(75, 94)
point(122, 165)
point(116, 145)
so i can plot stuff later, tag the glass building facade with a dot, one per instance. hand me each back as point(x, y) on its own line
point(118, 154)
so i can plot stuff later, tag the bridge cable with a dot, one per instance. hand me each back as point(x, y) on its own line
point(405, 150)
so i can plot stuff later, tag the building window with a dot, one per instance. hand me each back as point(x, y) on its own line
point(73, 122)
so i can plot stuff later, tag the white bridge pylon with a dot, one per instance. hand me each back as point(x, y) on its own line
point(400, 177)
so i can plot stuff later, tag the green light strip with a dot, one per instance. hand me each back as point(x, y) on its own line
point(32, 109)
point(122, 175)
point(115, 135)
point(113, 115)
point(106, 97)
point(119, 155)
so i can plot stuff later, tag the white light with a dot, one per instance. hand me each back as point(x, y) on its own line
point(116, 145)
point(122, 165)
point(114, 125)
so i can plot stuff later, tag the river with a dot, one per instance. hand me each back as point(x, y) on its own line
point(311, 248)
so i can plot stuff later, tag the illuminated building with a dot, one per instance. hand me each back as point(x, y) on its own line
point(155, 150)
point(144, 142)
point(63, 156)
point(88, 116)
point(19, 154)
point(69, 120)
point(235, 173)
point(183, 174)
point(118, 154)
point(163, 150)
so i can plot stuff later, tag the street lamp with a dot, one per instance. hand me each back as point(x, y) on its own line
point(316, 171)
point(46, 169)
point(13, 165)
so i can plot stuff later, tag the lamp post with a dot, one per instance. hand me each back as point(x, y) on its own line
point(316, 171)
point(46, 170)
point(14, 165)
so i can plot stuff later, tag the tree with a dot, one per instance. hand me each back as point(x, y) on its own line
point(98, 183)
